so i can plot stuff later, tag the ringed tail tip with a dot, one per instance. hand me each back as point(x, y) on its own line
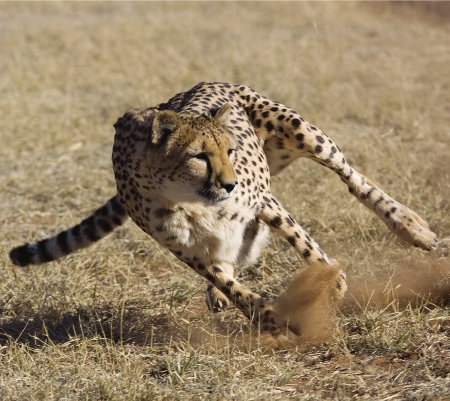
point(21, 255)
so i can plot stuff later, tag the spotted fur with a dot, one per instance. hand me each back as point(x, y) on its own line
point(194, 173)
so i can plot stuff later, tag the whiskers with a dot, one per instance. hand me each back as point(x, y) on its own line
point(210, 196)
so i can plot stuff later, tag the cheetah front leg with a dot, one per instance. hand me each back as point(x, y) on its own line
point(216, 300)
point(251, 304)
point(256, 236)
point(309, 303)
point(280, 221)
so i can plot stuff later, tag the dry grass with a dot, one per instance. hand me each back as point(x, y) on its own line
point(124, 320)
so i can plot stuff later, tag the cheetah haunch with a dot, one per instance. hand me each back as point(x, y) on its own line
point(194, 173)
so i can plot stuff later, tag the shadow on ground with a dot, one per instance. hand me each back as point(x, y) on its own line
point(132, 324)
point(128, 325)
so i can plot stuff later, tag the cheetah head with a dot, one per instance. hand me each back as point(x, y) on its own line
point(192, 156)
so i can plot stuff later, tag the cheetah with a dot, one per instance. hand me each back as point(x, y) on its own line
point(194, 173)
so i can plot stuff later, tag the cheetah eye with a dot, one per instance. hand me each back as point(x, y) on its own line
point(201, 156)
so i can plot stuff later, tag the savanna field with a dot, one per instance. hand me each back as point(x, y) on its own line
point(124, 319)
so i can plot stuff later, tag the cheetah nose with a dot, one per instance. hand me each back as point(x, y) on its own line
point(229, 186)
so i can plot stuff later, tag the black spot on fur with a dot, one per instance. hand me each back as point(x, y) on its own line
point(290, 221)
point(319, 139)
point(295, 123)
point(90, 229)
point(292, 240)
point(306, 253)
point(225, 290)
point(117, 207)
point(276, 222)
point(269, 126)
point(103, 211)
point(367, 194)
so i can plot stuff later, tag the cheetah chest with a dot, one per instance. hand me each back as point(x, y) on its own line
point(197, 231)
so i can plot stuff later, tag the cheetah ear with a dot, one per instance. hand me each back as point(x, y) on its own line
point(164, 124)
point(223, 114)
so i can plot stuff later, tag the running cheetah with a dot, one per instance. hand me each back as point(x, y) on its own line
point(194, 173)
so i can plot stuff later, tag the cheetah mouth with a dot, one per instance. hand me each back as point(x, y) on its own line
point(209, 197)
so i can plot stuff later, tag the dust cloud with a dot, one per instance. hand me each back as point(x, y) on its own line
point(410, 283)
point(309, 303)
point(313, 300)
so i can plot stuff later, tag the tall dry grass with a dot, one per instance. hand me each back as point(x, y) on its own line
point(124, 319)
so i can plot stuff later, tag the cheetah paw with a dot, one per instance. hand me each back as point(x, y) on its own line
point(215, 300)
point(410, 227)
point(278, 341)
point(341, 286)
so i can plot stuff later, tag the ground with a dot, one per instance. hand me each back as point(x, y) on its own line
point(124, 320)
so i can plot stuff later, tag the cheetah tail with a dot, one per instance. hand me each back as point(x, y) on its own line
point(104, 220)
